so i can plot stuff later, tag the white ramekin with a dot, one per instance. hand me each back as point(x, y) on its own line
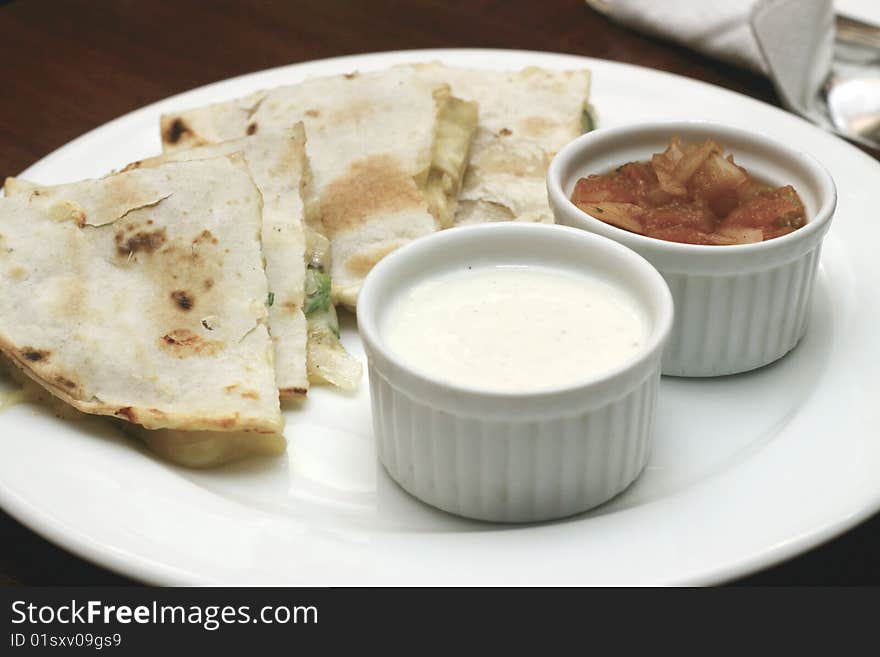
point(513, 457)
point(736, 307)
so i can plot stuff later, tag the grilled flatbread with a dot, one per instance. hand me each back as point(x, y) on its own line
point(387, 151)
point(307, 345)
point(278, 166)
point(143, 296)
point(525, 118)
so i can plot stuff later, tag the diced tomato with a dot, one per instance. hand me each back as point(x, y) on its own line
point(695, 217)
point(640, 174)
point(597, 189)
point(691, 193)
point(773, 211)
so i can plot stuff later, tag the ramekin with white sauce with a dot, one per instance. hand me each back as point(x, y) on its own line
point(737, 307)
point(495, 393)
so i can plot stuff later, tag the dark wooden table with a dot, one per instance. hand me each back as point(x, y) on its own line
point(71, 65)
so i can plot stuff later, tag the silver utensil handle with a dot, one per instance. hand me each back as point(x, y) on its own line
point(855, 32)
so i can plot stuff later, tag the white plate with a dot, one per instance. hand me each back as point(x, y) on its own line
point(747, 470)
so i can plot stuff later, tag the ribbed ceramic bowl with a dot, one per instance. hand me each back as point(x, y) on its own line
point(736, 307)
point(513, 457)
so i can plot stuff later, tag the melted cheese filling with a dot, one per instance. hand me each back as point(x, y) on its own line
point(9, 398)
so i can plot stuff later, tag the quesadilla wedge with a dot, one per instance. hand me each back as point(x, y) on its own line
point(525, 118)
point(387, 149)
point(307, 345)
point(142, 296)
point(278, 166)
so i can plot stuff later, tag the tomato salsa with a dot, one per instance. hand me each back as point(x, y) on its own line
point(691, 193)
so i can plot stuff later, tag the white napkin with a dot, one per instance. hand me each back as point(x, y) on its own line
point(789, 41)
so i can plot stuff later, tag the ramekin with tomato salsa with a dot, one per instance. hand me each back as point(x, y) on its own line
point(733, 219)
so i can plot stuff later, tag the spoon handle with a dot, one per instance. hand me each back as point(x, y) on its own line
point(855, 32)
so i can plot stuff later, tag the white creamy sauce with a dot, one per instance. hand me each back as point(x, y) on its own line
point(514, 328)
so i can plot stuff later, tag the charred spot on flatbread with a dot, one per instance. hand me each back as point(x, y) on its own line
point(35, 355)
point(64, 381)
point(139, 239)
point(371, 187)
point(183, 343)
point(175, 130)
point(206, 236)
point(183, 299)
point(293, 393)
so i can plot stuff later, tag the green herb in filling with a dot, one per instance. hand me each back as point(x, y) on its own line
point(588, 123)
point(317, 291)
